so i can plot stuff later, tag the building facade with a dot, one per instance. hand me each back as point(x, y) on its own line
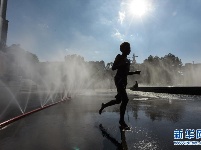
point(3, 24)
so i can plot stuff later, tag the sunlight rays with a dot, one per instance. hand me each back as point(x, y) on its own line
point(138, 8)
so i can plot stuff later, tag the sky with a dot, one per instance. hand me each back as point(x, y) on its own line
point(95, 29)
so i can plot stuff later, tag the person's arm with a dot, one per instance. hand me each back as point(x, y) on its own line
point(135, 72)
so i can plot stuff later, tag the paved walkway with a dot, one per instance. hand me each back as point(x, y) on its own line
point(76, 125)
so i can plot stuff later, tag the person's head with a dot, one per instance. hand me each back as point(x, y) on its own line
point(125, 48)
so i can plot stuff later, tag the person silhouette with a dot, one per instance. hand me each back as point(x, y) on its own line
point(122, 65)
point(136, 85)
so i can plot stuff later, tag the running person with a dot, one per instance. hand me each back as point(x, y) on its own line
point(122, 65)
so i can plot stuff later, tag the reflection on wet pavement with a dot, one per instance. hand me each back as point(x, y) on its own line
point(76, 124)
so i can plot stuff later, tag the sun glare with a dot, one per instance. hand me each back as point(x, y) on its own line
point(138, 7)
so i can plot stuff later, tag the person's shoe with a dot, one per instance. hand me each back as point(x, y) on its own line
point(102, 107)
point(124, 125)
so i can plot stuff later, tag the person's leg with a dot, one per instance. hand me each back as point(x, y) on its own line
point(123, 110)
point(110, 103)
point(123, 106)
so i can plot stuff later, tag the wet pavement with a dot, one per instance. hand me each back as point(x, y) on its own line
point(76, 124)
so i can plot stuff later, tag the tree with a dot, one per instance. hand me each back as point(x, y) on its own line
point(172, 62)
point(21, 62)
point(20, 54)
point(162, 70)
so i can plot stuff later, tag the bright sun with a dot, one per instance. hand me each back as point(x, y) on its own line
point(138, 7)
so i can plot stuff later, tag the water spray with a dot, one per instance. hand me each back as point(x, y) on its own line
point(6, 123)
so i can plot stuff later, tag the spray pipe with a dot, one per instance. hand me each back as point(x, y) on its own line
point(5, 123)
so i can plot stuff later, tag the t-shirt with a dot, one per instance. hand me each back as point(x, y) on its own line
point(123, 66)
